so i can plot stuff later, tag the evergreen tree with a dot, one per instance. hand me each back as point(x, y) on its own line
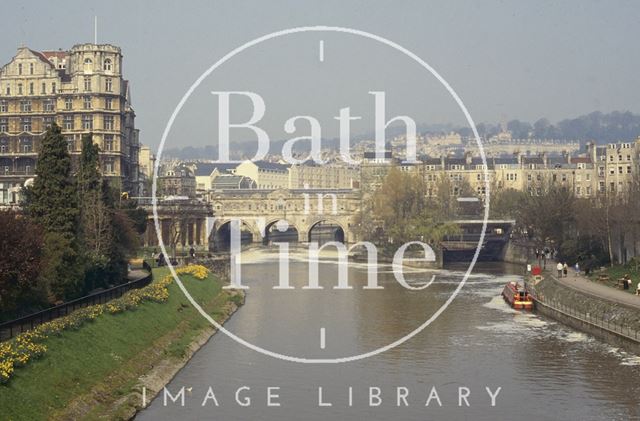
point(51, 203)
point(51, 199)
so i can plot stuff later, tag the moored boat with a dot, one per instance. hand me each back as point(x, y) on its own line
point(517, 297)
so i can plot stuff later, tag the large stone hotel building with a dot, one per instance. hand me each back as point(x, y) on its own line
point(83, 91)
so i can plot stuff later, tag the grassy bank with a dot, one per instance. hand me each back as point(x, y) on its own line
point(85, 371)
point(616, 272)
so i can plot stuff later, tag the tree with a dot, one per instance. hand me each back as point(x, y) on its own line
point(51, 203)
point(402, 207)
point(51, 199)
point(96, 225)
point(21, 248)
point(548, 211)
point(504, 202)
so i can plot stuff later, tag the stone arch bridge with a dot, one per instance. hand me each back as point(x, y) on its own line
point(306, 211)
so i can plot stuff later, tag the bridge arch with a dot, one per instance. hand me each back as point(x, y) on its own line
point(325, 230)
point(221, 238)
point(273, 232)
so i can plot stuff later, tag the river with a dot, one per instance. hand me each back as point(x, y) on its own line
point(545, 371)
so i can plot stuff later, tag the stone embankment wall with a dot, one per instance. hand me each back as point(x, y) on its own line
point(616, 324)
point(518, 253)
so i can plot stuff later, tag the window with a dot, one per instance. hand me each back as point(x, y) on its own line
point(88, 65)
point(107, 65)
point(87, 122)
point(108, 166)
point(108, 104)
point(600, 171)
point(86, 102)
point(47, 122)
point(31, 88)
point(70, 143)
point(43, 89)
point(108, 143)
point(108, 122)
point(25, 106)
point(26, 124)
point(48, 105)
point(3, 106)
point(68, 122)
point(27, 145)
point(108, 84)
point(19, 68)
point(19, 88)
point(4, 146)
point(4, 125)
point(8, 91)
point(30, 68)
point(87, 84)
point(620, 169)
point(53, 88)
point(628, 169)
point(68, 103)
point(588, 191)
point(27, 169)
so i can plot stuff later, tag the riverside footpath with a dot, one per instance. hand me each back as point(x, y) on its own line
point(582, 284)
point(607, 313)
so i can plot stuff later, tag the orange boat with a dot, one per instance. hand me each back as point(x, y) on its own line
point(517, 297)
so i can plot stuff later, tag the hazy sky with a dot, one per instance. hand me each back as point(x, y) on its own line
point(506, 59)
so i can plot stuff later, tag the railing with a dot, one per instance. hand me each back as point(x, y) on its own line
point(14, 327)
point(18, 172)
point(594, 319)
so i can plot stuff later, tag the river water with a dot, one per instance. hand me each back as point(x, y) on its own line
point(546, 371)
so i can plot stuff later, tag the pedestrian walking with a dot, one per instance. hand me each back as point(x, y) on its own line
point(559, 267)
point(577, 267)
point(565, 269)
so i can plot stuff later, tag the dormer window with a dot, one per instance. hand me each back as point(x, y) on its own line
point(30, 68)
point(19, 68)
point(107, 65)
